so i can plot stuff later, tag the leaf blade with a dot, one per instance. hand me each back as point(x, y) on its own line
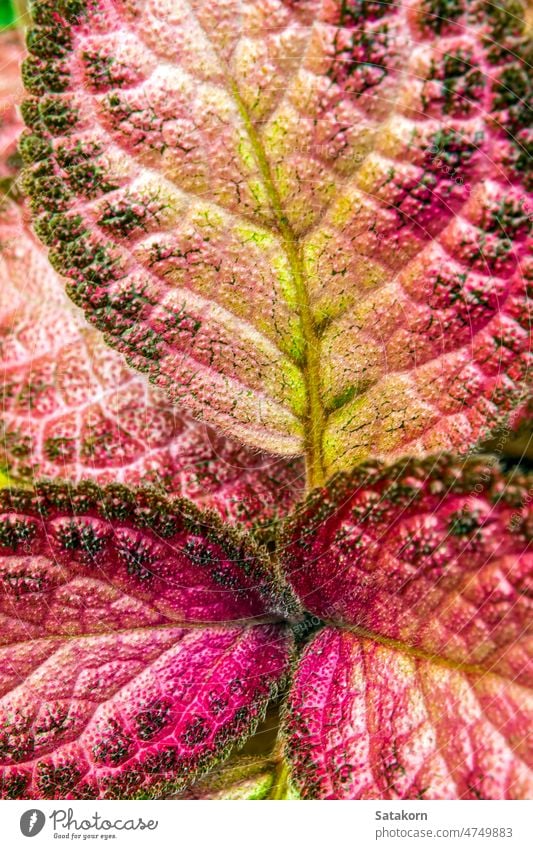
point(115, 715)
point(72, 410)
point(167, 560)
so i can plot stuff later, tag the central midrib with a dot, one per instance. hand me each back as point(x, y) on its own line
point(314, 420)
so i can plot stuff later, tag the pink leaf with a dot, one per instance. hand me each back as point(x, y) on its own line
point(11, 95)
point(431, 553)
point(107, 688)
point(370, 721)
point(427, 691)
point(71, 409)
point(141, 712)
point(305, 220)
point(144, 556)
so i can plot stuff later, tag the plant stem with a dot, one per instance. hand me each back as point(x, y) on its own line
point(280, 785)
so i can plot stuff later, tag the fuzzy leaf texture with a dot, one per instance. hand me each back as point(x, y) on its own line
point(423, 688)
point(241, 778)
point(305, 220)
point(11, 94)
point(72, 409)
point(141, 640)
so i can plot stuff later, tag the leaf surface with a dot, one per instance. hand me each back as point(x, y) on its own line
point(305, 220)
point(181, 563)
point(109, 685)
point(367, 721)
point(11, 95)
point(72, 409)
point(434, 554)
point(241, 778)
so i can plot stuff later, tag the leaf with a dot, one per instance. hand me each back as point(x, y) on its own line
point(431, 553)
point(242, 778)
point(71, 409)
point(304, 220)
point(247, 778)
point(426, 690)
point(11, 95)
point(109, 686)
point(161, 713)
point(368, 721)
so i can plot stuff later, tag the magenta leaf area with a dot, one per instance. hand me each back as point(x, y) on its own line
point(71, 408)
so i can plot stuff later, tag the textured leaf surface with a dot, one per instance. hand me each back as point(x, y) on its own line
point(71, 408)
point(302, 219)
point(11, 95)
point(106, 689)
point(431, 553)
point(182, 563)
point(242, 778)
point(366, 721)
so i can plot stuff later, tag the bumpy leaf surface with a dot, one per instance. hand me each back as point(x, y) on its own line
point(241, 778)
point(11, 95)
point(71, 408)
point(369, 721)
point(302, 219)
point(109, 686)
point(427, 691)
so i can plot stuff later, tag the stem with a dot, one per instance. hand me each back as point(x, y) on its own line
point(314, 421)
point(22, 13)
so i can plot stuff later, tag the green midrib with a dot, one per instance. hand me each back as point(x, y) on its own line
point(314, 419)
point(416, 654)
